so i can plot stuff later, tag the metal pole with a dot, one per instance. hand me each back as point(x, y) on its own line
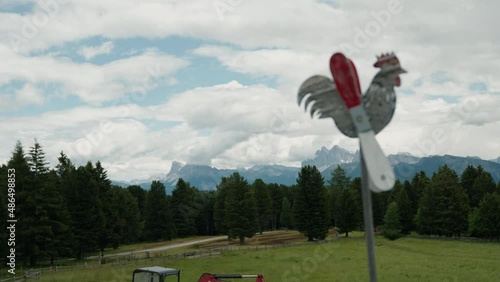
point(368, 220)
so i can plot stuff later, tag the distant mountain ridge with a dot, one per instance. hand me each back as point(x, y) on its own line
point(497, 160)
point(405, 166)
point(324, 158)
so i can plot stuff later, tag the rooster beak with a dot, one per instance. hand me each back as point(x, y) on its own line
point(401, 70)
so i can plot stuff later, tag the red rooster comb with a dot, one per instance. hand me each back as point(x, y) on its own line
point(388, 58)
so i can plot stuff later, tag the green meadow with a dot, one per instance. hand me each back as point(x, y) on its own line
point(406, 259)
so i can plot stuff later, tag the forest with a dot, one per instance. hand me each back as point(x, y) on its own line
point(74, 211)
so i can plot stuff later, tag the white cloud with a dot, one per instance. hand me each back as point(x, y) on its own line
point(89, 52)
point(235, 116)
point(29, 94)
point(93, 84)
point(234, 124)
point(240, 128)
point(25, 96)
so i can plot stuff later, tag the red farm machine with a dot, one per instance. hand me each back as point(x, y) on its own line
point(162, 274)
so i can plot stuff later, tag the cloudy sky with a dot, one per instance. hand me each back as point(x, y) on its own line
point(137, 84)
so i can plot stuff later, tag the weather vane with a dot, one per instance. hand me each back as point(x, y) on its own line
point(361, 116)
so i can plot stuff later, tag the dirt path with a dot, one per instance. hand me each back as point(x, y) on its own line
point(172, 246)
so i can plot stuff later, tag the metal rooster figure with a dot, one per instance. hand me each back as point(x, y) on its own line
point(379, 100)
point(361, 116)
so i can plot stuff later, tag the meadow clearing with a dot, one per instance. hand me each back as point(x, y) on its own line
point(406, 259)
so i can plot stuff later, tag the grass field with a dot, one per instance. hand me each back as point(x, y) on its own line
point(407, 259)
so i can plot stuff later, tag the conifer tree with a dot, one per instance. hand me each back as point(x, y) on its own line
point(184, 208)
point(36, 206)
point(240, 209)
point(140, 194)
point(405, 209)
point(159, 224)
point(205, 219)
point(82, 196)
point(484, 221)
point(355, 188)
point(310, 208)
point(392, 227)
point(419, 184)
point(444, 207)
point(264, 204)
point(24, 206)
point(339, 181)
point(379, 208)
point(467, 182)
point(483, 184)
point(277, 199)
point(62, 240)
point(347, 215)
point(220, 212)
point(286, 217)
point(129, 226)
point(64, 166)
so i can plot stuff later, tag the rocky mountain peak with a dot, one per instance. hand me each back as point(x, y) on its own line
point(323, 158)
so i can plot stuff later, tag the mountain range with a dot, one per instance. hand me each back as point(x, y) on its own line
point(405, 166)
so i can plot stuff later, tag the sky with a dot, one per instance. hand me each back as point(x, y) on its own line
point(137, 84)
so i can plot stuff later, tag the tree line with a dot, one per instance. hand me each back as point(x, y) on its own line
point(75, 211)
point(444, 204)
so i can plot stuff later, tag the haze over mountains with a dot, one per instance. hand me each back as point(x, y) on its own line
point(405, 166)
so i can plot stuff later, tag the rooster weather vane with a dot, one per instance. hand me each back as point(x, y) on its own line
point(361, 116)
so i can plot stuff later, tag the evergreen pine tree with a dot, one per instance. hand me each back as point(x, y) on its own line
point(249, 223)
point(394, 193)
point(339, 181)
point(347, 215)
point(64, 166)
point(392, 227)
point(355, 188)
point(419, 184)
point(24, 206)
point(129, 226)
point(339, 178)
point(220, 207)
point(454, 209)
point(205, 219)
point(484, 221)
point(264, 203)
point(140, 194)
point(184, 209)
point(425, 218)
point(277, 199)
point(36, 216)
point(483, 184)
point(286, 217)
point(240, 209)
point(412, 196)
point(310, 208)
point(159, 223)
point(467, 182)
point(379, 208)
point(405, 209)
point(106, 209)
point(62, 240)
point(82, 196)
point(444, 208)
